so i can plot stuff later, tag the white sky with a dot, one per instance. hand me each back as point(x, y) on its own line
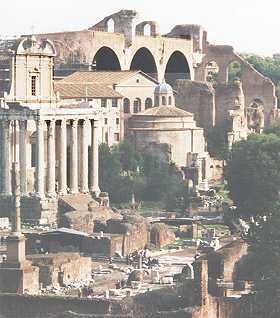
point(248, 25)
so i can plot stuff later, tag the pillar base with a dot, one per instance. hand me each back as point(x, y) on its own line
point(95, 192)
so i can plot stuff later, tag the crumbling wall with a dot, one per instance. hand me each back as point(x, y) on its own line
point(85, 221)
point(135, 230)
point(154, 28)
point(62, 269)
point(197, 98)
point(222, 263)
point(161, 235)
point(124, 22)
point(255, 85)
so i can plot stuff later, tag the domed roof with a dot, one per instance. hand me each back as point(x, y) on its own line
point(165, 111)
point(163, 88)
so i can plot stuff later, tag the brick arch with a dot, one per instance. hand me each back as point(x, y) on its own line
point(106, 59)
point(154, 28)
point(177, 66)
point(144, 60)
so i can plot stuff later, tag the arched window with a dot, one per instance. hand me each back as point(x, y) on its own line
point(147, 30)
point(137, 105)
point(126, 106)
point(163, 100)
point(169, 100)
point(111, 25)
point(234, 71)
point(148, 103)
point(212, 70)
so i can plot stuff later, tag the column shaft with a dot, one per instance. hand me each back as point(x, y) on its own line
point(51, 158)
point(40, 160)
point(94, 157)
point(22, 157)
point(6, 158)
point(74, 157)
point(85, 143)
point(63, 158)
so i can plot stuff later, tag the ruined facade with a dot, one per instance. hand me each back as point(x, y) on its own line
point(120, 42)
point(224, 63)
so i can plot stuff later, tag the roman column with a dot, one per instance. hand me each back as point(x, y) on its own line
point(51, 158)
point(85, 144)
point(63, 158)
point(22, 156)
point(94, 157)
point(74, 157)
point(40, 160)
point(6, 157)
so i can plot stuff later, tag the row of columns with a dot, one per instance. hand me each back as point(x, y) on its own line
point(87, 127)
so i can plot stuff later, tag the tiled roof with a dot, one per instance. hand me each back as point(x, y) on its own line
point(82, 90)
point(103, 77)
point(165, 111)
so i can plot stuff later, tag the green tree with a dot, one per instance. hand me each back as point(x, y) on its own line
point(253, 174)
point(264, 245)
point(217, 142)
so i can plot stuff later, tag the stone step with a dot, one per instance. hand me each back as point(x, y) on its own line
point(75, 202)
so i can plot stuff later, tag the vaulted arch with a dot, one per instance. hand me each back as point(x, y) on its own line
point(106, 59)
point(143, 60)
point(177, 67)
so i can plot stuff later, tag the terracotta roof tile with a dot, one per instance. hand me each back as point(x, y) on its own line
point(82, 90)
point(165, 111)
point(103, 77)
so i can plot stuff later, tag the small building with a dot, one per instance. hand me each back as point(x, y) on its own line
point(174, 132)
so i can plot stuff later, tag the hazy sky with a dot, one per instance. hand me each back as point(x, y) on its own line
point(248, 25)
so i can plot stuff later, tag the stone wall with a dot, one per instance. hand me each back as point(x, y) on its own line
point(32, 209)
point(255, 85)
point(14, 306)
point(107, 245)
point(62, 269)
point(161, 235)
point(135, 230)
point(197, 98)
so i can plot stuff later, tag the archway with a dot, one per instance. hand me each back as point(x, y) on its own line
point(212, 69)
point(255, 116)
point(111, 25)
point(234, 71)
point(177, 67)
point(143, 60)
point(147, 30)
point(106, 60)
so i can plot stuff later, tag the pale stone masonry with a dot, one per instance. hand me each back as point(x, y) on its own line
point(55, 144)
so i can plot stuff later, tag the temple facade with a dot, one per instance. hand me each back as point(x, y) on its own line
point(56, 144)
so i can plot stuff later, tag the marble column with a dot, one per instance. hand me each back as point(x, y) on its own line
point(74, 157)
point(94, 157)
point(51, 158)
point(6, 158)
point(22, 156)
point(40, 160)
point(63, 158)
point(85, 144)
